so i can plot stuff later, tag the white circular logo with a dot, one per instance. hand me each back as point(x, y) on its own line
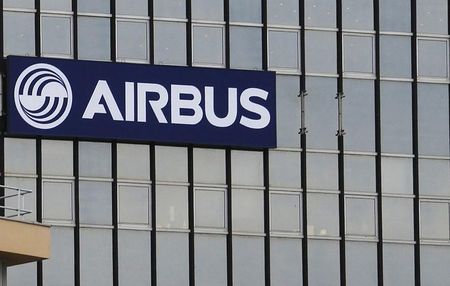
point(43, 96)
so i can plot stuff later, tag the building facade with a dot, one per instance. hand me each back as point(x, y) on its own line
point(356, 193)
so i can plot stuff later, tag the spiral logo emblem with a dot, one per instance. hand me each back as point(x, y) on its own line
point(43, 96)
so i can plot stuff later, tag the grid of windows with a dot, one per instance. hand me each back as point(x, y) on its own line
point(140, 214)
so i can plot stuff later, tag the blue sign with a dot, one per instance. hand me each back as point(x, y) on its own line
point(163, 104)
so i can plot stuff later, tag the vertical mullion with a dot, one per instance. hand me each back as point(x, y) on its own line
point(75, 28)
point(151, 32)
point(191, 216)
point(153, 215)
point(39, 199)
point(189, 32)
point(265, 63)
point(226, 17)
point(37, 27)
point(76, 174)
point(2, 117)
point(113, 30)
point(229, 218)
point(115, 221)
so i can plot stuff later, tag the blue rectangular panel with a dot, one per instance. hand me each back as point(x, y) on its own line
point(163, 104)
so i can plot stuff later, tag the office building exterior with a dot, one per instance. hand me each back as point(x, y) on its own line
point(357, 191)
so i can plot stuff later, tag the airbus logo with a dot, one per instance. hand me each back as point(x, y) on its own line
point(43, 96)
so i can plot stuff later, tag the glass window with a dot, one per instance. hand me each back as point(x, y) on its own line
point(30, 199)
point(59, 270)
point(209, 166)
point(321, 113)
point(322, 171)
point(170, 8)
point(395, 56)
point(18, 4)
point(171, 164)
point(320, 13)
point(398, 262)
point(396, 117)
point(357, 14)
point(210, 260)
point(59, 5)
point(247, 168)
point(323, 214)
point(135, 7)
point(360, 216)
point(208, 45)
point(134, 204)
point(245, 47)
point(94, 38)
point(396, 175)
point(171, 207)
point(434, 220)
point(358, 54)
point(210, 208)
point(94, 6)
point(395, 16)
point(20, 156)
point(19, 33)
point(57, 200)
point(434, 177)
point(57, 157)
point(285, 212)
point(283, 12)
point(170, 43)
point(245, 11)
point(207, 10)
point(359, 173)
point(96, 257)
point(359, 115)
point(172, 258)
point(361, 262)
point(323, 261)
point(248, 210)
point(288, 121)
point(95, 159)
point(432, 58)
point(284, 169)
point(320, 48)
point(432, 16)
point(398, 218)
point(285, 262)
point(56, 35)
point(248, 261)
point(133, 161)
point(284, 50)
point(434, 261)
point(132, 39)
point(24, 274)
point(433, 120)
point(134, 258)
point(95, 203)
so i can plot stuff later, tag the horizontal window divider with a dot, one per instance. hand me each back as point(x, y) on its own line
point(382, 78)
point(356, 194)
point(131, 17)
point(353, 75)
point(280, 71)
point(286, 149)
point(201, 230)
point(358, 32)
point(392, 155)
point(288, 191)
point(208, 23)
point(398, 196)
point(136, 227)
point(208, 188)
point(56, 13)
point(208, 65)
point(321, 29)
point(212, 186)
point(434, 199)
point(245, 24)
point(428, 36)
point(322, 75)
point(57, 223)
point(360, 153)
point(21, 10)
point(95, 179)
point(17, 175)
point(162, 19)
point(284, 234)
point(421, 79)
point(360, 238)
point(244, 187)
point(399, 241)
point(96, 226)
point(126, 182)
point(244, 233)
point(434, 157)
point(174, 230)
point(321, 237)
point(165, 183)
point(321, 151)
point(434, 242)
point(392, 33)
point(132, 61)
point(99, 15)
point(283, 28)
point(47, 178)
point(69, 57)
point(318, 191)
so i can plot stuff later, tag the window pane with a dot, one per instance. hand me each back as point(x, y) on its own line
point(94, 38)
point(361, 260)
point(320, 13)
point(207, 10)
point(432, 16)
point(320, 49)
point(172, 259)
point(94, 6)
point(284, 169)
point(396, 117)
point(398, 262)
point(171, 164)
point(321, 113)
point(133, 161)
point(18, 4)
point(395, 16)
point(95, 203)
point(434, 220)
point(359, 173)
point(434, 261)
point(360, 216)
point(323, 215)
point(357, 14)
point(95, 159)
point(57, 200)
point(285, 212)
point(433, 58)
point(246, 49)
point(20, 156)
point(247, 168)
point(245, 11)
point(170, 8)
point(132, 39)
point(18, 33)
point(57, 35)
point(59, 270)
point(208, 46)
point(134, 258)
point(248, 261)
point(20, 275)
point(398, 218)
point(395, 56)
point(210, 206)
point(283, 12)
point(30, 199)
point(134, 203)
point(284, 50)
point(210, 260)
point(57, 5)
point(248, 210)
point(323, 260)
point(288, 121)
point(285, 262)
point(396, 175)
point(57, 157)
point(209, 166)
point(434, 177)
point(135, 7)
point(171, 207)
point(170, 43)
point(322, 171)
point(358, 54)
